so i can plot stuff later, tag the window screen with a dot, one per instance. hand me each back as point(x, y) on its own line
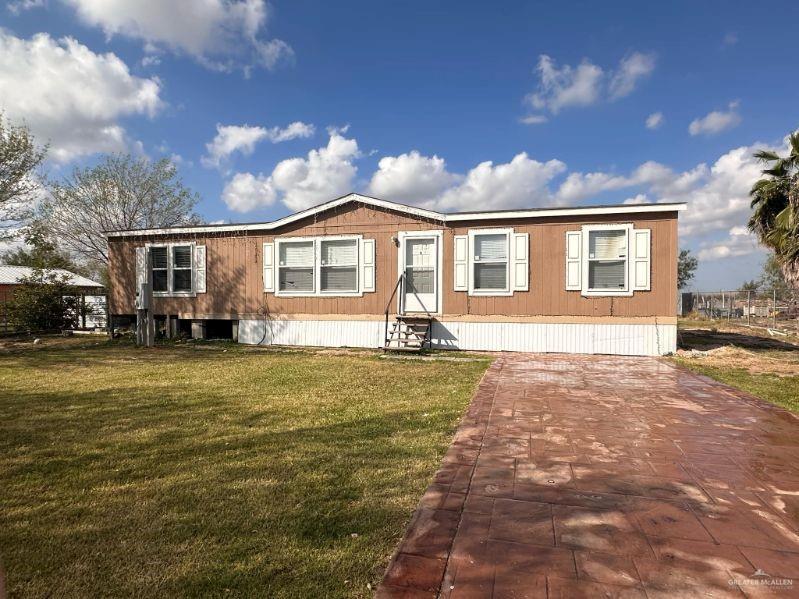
point(607, 259)
point(490, 262)
point(296, 266)
point(339, 265)
point(159, 255)
point(181, 268)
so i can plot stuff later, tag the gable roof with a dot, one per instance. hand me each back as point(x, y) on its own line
point(13, 275)
point(411, 210)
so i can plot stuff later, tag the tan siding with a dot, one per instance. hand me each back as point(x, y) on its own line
point(235, 286)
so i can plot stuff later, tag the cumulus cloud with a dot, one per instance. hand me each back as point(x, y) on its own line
point(246, 192)
point(654, 120)
point(230, 139)
point(70, 96)
point(716, 121)
point(585, 84)
point(411, 178)
point(220, 34)
point(299, 182)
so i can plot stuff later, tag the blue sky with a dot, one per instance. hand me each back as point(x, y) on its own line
point(452, 105)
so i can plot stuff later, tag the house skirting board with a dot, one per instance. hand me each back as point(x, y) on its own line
point(624, 338)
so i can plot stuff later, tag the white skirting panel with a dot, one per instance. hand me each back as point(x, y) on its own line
point(582, 338)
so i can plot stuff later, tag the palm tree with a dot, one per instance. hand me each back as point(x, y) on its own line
point(775, 208)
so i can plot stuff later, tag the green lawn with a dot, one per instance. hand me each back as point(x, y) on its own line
point(214, 470)
point(778, 389)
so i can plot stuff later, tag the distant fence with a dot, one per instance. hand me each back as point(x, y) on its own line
point(770, 308)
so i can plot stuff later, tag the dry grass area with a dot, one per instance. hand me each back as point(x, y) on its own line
point(752, 359)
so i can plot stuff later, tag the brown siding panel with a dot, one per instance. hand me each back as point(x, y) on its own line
point(235, 286)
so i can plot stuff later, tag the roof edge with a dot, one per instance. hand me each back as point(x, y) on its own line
point(412, 210)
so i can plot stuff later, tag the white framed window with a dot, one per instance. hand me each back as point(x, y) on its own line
point(606, 260)
point(296, 269)
point(173, 268)
point(319, 266)
point(182, 268)
point(159, 256)
point(489, 262)
point(338, 266)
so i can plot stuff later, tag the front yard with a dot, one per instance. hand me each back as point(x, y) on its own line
point(214, 470)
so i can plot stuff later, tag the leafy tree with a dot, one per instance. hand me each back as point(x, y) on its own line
point(749, 285)
point(686, 268)
point(44, 301)
point(40, 252)
point(775, 208)
point(19, 159)
point(121, 192)
point(773, 276)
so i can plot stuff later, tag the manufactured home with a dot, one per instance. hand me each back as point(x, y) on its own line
point(364, 272)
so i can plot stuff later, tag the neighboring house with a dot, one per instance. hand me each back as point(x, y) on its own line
point(11, 278)
point(598, 279)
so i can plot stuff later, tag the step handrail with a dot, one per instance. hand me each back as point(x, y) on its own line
point(400, 284)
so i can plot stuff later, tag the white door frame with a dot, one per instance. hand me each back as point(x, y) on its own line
point(438, 235)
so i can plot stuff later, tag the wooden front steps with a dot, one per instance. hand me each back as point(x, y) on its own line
point(409, 334)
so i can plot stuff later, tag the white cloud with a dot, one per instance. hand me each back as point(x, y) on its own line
point(716, 121)
point(243, 138)
point(533, 119)
point(326, 173)
point(299, 182)
point(520, 182)
point(19, 6)
point(411, 178)
point(567, 86)
point(640, 198)
point(631, 69)
point(220, 34)
point(246, 192)
point(70, 96)
point(739, 242)
point(654, 120)
point(581, 186)
point(585, 84)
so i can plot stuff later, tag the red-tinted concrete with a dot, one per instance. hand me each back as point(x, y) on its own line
point(582, 476)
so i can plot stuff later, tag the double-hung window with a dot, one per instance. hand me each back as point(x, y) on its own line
point(173, 268)
point(489, 254)
point(181, 268)
point(607, 259)
point(159, 255)
point(317, 266)
point(339, 266)
point(296, 266)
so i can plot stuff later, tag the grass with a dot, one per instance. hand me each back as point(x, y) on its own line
point(214, 470)
point(746, 358)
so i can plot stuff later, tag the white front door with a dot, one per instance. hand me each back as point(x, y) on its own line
point(420, 256)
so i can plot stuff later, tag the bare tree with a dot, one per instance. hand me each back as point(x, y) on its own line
point(19, 185)
point(122, 192)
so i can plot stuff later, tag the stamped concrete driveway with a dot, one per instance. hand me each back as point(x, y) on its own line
point(582, 476)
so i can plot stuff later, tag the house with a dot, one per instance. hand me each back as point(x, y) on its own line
point(597, 279)
point(92, 293)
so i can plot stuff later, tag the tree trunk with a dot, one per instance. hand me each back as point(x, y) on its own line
point(790, 270)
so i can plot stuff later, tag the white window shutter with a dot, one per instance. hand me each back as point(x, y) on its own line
point(461, 262)
point(141, 265)
point(199, 269)
point(642, 259)
point(521, 261)
point(367, 265)
point(574, 252)
point(269, 266)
